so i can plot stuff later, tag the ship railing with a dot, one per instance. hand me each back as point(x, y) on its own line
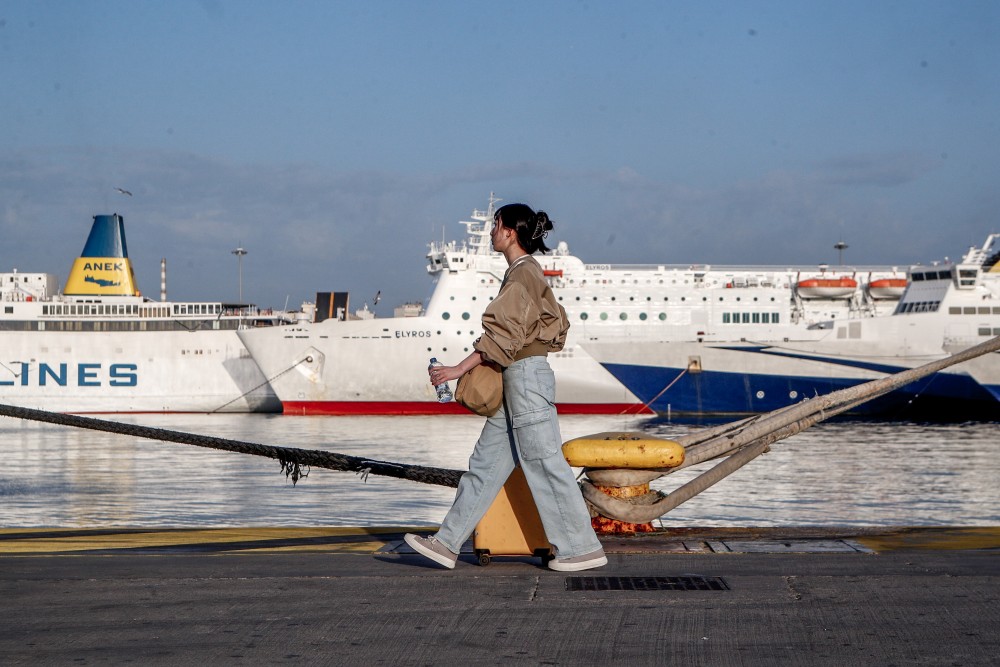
point(747, 270)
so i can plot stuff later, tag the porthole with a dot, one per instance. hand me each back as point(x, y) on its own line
point(663, 316)
point(465, 316)
point(583, 316)
point(446, 316)
point(623, 316)
point(604, 316)
point(642, 316)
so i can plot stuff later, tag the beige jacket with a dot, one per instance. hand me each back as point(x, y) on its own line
point(525, 312)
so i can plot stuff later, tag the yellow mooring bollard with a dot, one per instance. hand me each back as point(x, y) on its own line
point(621, 465)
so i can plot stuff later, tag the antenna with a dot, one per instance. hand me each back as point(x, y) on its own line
point(840, 247)
point(239, 252)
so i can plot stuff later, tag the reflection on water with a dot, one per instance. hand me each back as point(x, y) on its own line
point(856, 473)
point(833, 474)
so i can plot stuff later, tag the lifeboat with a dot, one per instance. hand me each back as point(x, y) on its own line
point(826, 288)
point(887, 288)
point(552, 273)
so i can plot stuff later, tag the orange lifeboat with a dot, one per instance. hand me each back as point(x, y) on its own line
point(827, 288)
point(887, 288)
point(552, 273)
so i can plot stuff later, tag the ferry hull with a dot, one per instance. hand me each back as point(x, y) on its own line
point(690, 378)
point(379, 367)
point(940, 396)
point(125, 372)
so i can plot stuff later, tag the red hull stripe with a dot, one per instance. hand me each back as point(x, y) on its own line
point(429, 408)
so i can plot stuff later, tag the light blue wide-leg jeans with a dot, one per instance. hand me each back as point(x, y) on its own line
point(524, 432)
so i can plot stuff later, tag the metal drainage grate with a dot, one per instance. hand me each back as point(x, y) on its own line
point(692, 582)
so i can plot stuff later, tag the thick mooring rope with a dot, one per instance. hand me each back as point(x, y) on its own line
point(292, 459)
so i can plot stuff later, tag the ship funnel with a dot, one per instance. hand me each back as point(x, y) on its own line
point(103, 269)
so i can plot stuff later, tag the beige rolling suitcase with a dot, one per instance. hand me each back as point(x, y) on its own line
point(511, 526)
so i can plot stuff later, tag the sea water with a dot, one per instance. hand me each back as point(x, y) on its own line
point(835, 474)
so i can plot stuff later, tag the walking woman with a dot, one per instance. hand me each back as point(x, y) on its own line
point(520, 327)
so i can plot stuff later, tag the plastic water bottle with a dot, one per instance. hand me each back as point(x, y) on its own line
point(443, 392)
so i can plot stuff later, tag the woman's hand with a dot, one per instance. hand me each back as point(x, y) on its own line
point(439, 374)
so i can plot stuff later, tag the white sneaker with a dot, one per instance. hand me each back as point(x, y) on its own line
point(431, 548)
point(577, 563)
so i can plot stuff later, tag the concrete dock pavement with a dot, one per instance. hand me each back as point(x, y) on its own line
point(332, 596)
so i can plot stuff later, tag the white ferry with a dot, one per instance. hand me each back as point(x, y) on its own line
point(338, 362)
point(729, 365)
point(99, 346)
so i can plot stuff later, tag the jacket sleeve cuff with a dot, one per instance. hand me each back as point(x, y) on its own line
point(493, 352)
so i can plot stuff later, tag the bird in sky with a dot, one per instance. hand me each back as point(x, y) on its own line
point(123, 191)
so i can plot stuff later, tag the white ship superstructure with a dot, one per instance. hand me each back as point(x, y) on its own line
point(101, 347)
point(339, 363)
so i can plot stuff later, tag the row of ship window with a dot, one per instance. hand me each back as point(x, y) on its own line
point(920, 307)
point(932, 307)
point(727, 318)
point(699, 282)
point(973, 310)
point(775, 318)
point(144, 311)
point(632, 298)
point(112, 325)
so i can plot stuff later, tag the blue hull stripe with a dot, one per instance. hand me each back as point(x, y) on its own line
point(713, 392)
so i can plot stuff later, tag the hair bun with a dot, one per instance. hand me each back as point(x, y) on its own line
point(542, 225)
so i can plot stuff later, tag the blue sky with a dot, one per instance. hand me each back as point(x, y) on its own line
point(333, 140)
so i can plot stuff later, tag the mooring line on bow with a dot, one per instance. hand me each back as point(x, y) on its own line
point(262, 384)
